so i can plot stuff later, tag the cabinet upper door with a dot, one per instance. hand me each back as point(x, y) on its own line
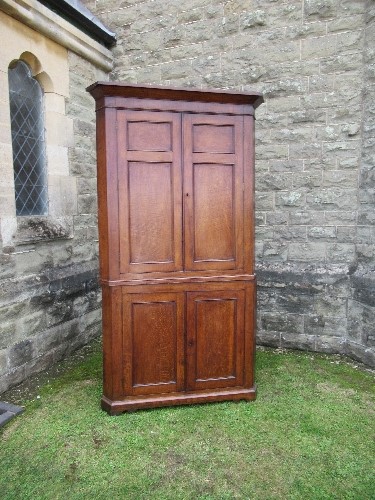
point(149, 180)
point(213, 192)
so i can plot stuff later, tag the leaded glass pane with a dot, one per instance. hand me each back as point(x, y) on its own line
point(29, 157)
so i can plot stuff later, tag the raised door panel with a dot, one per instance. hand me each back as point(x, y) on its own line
point(213, 192)
point(215, 339)
point(149, 173)
point(153, 342)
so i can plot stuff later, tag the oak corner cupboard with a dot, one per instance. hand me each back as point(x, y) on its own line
point(176, 241)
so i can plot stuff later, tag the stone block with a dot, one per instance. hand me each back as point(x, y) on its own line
point(186, 51)
point(295, 198)
point(319, 9)
point(330, 305)
point(62, 193)
point(273, 182)
point(355, 320)
point(259, 249)
point(57, 160)
point(322, 233)
point(268, 339)
point(277, 218)
point(7, 266)
point(190, 16)
point(38, 364)
point(301, 342)
point(12, 378)
point(87, 204)
point(150, 75)
point(360, 353)
point(306, 217)
point(253, 19)
point(86, 186)
point(264, 233)
point(306, 30)
point(275, 251)
point(282, 104)
point(20, 353)
point(366, 216)
point(319, 47)
point(306, 252)
point(50, 339)
point(332, 199)
point(11, 311)
point(340, 63)
point(197, 32)
point(347, 234)
point(295, 300)
point(341, 252)
point(33, 323)
point(350, 41)
point(305, 150)
point(8, 333)
point(284, 165)
point(264, 200)
point(172, 36)
point(293, 134)
point(321, 83)
point(325, 326)
point(339, 218)
point(59, 129)
point(306, 180)
point(285, 87)
point(364, 289)
point(290, 233)
point(3, 362)
point(330, 344)
point(281, 322)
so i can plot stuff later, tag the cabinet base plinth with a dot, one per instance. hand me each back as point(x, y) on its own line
point(177, 398)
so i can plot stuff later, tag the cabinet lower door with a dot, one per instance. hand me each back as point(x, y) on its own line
point(153, 345)
point(215, 339)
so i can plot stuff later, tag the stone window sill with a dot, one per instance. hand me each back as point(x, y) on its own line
point(33, 229)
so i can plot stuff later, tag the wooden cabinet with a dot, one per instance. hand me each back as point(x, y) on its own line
point(176, 238)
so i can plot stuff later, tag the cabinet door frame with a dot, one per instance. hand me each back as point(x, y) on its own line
point(127, 156)
point(233, 159)
point(193, 299)
point(129, 359)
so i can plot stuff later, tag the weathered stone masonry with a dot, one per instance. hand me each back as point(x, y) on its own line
point(314, 62)
point(50, 300)
point(315, 182)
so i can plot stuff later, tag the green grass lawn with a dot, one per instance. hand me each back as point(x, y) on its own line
point(309, 435)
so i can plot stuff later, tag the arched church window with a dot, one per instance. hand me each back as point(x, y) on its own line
point(28, 140)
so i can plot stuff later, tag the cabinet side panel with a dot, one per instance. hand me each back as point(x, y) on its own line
point(112, 342)
point(107, 184)
point(250, 334)
point(249, 194)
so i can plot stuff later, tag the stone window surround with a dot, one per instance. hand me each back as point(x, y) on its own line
point(46, 22)
point(62, 190)
point(15, 231)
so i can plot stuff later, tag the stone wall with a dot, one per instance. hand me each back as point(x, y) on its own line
point(313, 60)
point(50, 300)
